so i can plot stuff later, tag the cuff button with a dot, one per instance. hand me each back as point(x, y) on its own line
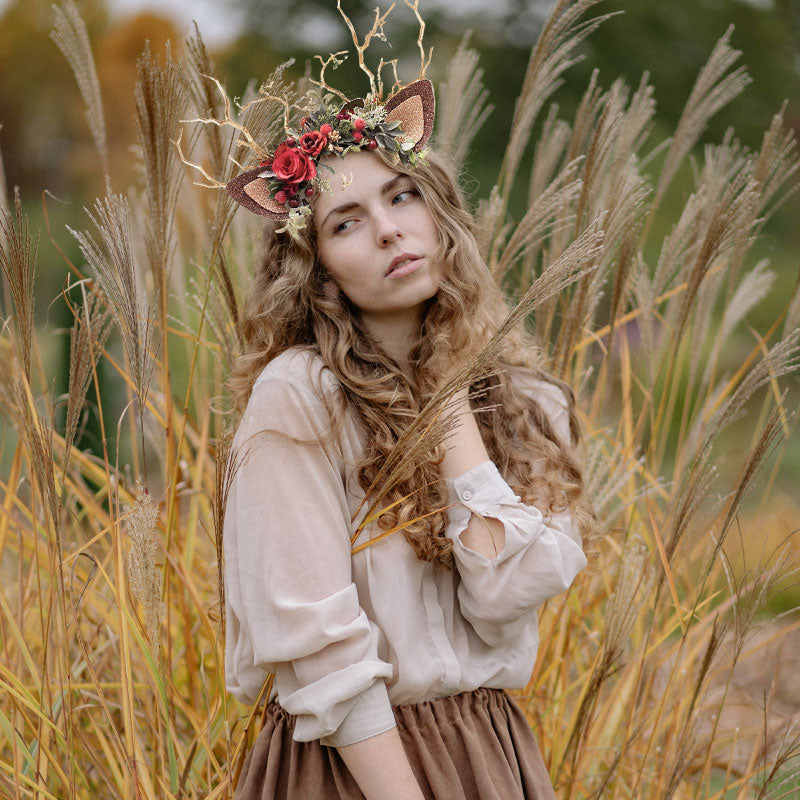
point(466, 495)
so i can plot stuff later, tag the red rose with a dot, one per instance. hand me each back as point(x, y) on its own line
point(325, 128)
point(292, 165)
point(360, 124)
point(313, 143)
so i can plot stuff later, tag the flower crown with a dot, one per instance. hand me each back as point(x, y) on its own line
point(282, 186)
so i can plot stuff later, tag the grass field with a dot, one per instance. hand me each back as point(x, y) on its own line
point(111, 610)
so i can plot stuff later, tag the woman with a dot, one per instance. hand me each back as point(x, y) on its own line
point(390, 660)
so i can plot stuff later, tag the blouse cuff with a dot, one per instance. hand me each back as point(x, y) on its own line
point(370, 715)
point(482, 490)
point(478, 490)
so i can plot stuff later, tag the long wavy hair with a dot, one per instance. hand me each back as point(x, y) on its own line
point(295, 303)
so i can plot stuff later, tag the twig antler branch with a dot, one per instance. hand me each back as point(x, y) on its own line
point(375, 33)
point(396, 85)
point(229, 121)
point(334, 59)
point(424, 63)
point(213, 183)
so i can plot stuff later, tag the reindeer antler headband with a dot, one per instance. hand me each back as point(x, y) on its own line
point(282, 185)
point(288, 175)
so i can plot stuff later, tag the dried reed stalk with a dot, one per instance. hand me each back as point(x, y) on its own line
point(69, 34)
point(462, 106)
point(3, 186)
point(712, 90)
point(18, 264)
point(87, 339)
point(111, 258)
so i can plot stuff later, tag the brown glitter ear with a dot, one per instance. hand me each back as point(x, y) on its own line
point(252, 192)
point(414, 107)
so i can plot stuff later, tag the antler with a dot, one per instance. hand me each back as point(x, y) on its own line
point(414, 6)
point(396, 84)
point(229, 121)
point(213, 183)
point(376, 32)
point(333, 59)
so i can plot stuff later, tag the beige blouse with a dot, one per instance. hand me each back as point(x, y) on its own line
point(349, 636)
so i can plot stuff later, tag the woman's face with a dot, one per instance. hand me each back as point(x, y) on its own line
point(376, 237)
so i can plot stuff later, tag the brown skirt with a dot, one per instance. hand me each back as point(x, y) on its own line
point(471, 746)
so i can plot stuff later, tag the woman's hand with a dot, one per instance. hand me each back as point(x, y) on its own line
point(381, 769)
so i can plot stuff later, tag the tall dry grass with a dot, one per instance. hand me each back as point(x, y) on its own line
point(111, 610)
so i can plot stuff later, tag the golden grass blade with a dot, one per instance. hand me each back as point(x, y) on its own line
point(381, 536)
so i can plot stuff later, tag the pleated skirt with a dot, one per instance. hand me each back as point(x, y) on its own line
point(471, 746)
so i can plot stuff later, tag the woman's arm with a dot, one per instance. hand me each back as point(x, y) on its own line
point(509, 557)
point(381, 769)
point(464, 450)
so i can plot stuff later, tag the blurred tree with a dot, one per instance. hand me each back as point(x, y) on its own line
point(116, 53)
point(671, 41)
point(39, 126)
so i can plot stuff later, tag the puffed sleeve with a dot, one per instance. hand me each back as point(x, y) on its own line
point(292, 606)
point(540, 559)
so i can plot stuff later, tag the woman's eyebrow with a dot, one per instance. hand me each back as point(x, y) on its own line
point(345, 207)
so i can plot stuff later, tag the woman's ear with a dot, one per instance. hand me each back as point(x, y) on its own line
point(414, 108)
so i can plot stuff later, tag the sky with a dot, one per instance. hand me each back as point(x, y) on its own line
point(219, 23)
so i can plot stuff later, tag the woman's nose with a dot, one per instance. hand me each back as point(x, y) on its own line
point(387, 230)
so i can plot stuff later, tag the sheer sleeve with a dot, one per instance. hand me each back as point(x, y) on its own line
point(540, 559)
point(293, 607)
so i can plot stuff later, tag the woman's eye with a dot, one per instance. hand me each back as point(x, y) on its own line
point(343, 226)
point(402, 196)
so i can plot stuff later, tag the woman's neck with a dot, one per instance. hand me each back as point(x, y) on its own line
point(395, 334)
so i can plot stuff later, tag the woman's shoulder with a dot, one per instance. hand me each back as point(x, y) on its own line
point(295, 392)
point(300, 367)
point(550, 393)
point(553, 395)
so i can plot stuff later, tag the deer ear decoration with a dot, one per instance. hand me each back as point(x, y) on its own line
point(353, 104)
point(414, 107)
point(252, 192)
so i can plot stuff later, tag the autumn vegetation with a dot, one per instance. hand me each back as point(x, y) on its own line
point(112, 492)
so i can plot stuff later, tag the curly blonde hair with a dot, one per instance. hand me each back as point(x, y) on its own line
point(295, 303)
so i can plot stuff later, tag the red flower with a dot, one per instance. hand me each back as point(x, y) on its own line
point(313, 143)
point(292, 165)
point(358, 136)
point(360, 124)
point(325, 128)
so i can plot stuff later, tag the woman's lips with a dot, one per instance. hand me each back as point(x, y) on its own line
point(406, 268)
